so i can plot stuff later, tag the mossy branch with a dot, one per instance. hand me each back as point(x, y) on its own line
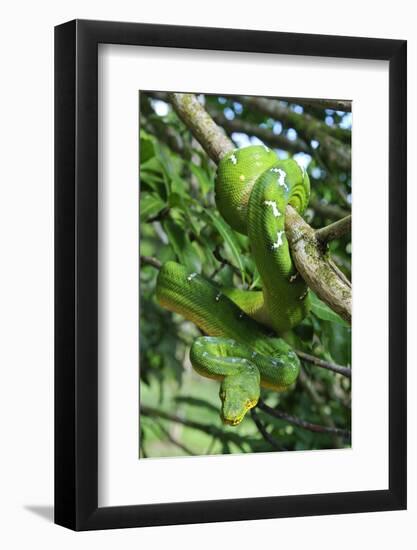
point(334, 230)
point(213, 140)
point(312, 262)
point(307, 252)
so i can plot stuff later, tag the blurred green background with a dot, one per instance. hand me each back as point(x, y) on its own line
point(179, 221)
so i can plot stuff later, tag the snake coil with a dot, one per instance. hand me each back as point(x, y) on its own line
point(253, 188)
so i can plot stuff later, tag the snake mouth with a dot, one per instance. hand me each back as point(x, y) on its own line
point(235, 420)
point(232, 421)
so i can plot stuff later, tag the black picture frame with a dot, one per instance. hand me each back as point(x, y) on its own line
point(76, 271)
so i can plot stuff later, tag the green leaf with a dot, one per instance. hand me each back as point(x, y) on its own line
point(337, 340)
point(147, 148)
point(322, 311)
point(179, 186)
point(205, 181)
point(229, 237)
point(150, 205)
point(151, 183)
point(181, 245)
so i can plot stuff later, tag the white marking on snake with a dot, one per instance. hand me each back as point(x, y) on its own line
point(191, 276)
point(281, 179)
point(301, 166)
point(242, 177)
point(293, 277)
point(303, 295)
point(275, 210)
point(241, 314)
point(279, 240)
point(218, 297)
point(233, 158)
point(205, 353)
point(254, 354)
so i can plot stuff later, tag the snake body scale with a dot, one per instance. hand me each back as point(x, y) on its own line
point(253, 188)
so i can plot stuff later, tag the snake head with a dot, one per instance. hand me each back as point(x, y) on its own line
point(239, 393)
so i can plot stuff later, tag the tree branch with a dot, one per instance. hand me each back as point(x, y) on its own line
point(334, 230)
point(315, 268)
point(335, 104)
point(306, 250)
point(302, 423)
point(267, 136)
point(331, 211)
point(336, 151)
point(344, 371)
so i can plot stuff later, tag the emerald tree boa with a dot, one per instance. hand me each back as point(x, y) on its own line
point(253, 188)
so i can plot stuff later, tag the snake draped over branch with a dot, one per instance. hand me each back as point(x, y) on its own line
point(253, 188)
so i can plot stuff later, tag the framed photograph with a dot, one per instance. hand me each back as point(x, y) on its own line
point(229, 345)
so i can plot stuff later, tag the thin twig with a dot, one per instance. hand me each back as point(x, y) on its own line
point(174, 441)
point(309, 386)
point(344, 371)
point(334, 230)
point(331, 211)
point(265, 434)
point(300, 422)
point(225, 261)
point(339, 272)
point(150, 260)
point(209, 429)
point(218, 269)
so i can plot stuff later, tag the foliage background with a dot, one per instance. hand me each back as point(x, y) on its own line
point(179, 221)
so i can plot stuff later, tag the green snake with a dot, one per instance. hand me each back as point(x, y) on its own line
point(253, 188)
